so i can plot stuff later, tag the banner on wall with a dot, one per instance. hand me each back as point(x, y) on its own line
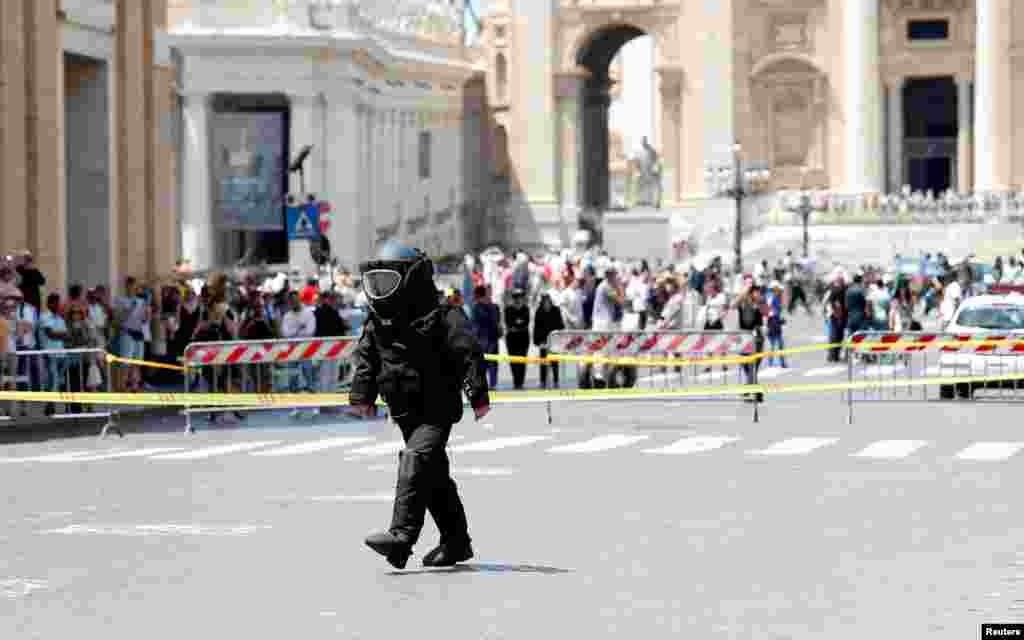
point(248, 165)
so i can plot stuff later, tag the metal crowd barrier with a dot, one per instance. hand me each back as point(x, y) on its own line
point(895, 367)
point(264, 366)
point(707, 359)
point(57, 370)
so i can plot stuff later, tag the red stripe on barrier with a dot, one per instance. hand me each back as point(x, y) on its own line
point(858, 339)
point(890, 338)
point(311, 350)
point(284, 355)
point(624, 342)
point(236, 354)
point(338, 347)
point(598, 344)
point(649, 344)
point(210, 354)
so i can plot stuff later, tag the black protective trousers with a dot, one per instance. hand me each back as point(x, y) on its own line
point(425, 484)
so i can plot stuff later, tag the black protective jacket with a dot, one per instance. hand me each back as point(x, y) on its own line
point(421, 368)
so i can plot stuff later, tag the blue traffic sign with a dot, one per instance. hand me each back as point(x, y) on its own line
point(304, 222)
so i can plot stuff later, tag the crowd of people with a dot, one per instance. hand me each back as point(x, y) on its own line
point(513, 300)
point(155, 322)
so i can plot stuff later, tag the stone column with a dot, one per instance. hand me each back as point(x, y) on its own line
point(568, 88)
point(863, 104)
point(44, 125)
point(671, 127)
point(895, 89)
point(13, 144)
point(964, 134)
point(302, 132)
point(197, 221)
point(992, 95)
point(342, 176)
point(132, 239)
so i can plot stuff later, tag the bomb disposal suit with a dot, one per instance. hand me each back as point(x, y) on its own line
point(420, 355)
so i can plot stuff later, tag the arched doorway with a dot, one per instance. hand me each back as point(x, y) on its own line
point(595, 55)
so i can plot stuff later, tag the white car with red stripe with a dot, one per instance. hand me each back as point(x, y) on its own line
point(997, 318)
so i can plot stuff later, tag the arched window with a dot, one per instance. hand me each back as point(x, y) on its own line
point(501, 77)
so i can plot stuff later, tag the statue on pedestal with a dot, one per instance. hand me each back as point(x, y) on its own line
point(649, 191)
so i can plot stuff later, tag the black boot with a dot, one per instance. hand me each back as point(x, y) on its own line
point(448, 555)
point(396, 550)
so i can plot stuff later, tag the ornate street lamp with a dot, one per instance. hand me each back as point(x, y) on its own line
point(733, 181)
point(804, 208)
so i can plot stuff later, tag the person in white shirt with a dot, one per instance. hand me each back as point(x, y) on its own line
point(569, 300)
point(715, 309)
point(298, 322)
point(637, 294)
point(951, 299)
point(609, 303)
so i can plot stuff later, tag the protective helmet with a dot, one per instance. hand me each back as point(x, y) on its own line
point(399, 283)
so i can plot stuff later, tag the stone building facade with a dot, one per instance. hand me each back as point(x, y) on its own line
point(855, 96)
point(86, 159)
point(389, 96)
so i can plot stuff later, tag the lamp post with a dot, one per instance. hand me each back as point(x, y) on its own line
point(733, 181)
point(804, 209)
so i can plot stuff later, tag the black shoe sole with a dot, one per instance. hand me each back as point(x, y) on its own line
point(449, 562)
point(396, 559)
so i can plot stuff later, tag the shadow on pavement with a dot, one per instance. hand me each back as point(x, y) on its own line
point(487, 568)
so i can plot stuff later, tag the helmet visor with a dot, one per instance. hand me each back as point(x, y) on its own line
point(381, 283)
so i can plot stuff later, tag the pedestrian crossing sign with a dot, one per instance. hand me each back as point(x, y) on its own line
point(304, 222)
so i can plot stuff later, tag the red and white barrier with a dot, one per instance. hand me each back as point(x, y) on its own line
point(213, 354)
point(652, 343)
point(994, 343)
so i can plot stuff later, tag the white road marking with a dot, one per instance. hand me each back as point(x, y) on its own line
point(481, 471)
point(774, 372)
point(990, 451)
point(795, 446)
point(822, 372)
point(694, 444)
point(890, 449)
point(601, 443)
point(143, 530)
point(371, 497)
point(877, 371)
point(132, 453)
point(11, 588)
point(54, 457)
point(219, 450)
point(310, 447)
point(499, 443)
point(382, 449)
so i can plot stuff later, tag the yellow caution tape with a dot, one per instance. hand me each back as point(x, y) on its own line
point(515, 397)
point(111, 359)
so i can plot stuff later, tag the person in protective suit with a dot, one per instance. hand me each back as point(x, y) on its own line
point(419, 354)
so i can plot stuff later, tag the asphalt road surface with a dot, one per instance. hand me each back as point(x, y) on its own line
point(620, 519)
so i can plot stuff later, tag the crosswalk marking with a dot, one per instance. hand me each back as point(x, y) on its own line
point(115, 455)
point(694, 444)
point(310, 447)
point(499, 443)
point(54, 457)
point(795, 446)
point(990, 450)
point(601, 443)
point(774, 372)
point(382, 449)
point(890, 449)
point(822, 372)
point(219, 450)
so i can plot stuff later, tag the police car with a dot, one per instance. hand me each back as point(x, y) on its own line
point(998, 315)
